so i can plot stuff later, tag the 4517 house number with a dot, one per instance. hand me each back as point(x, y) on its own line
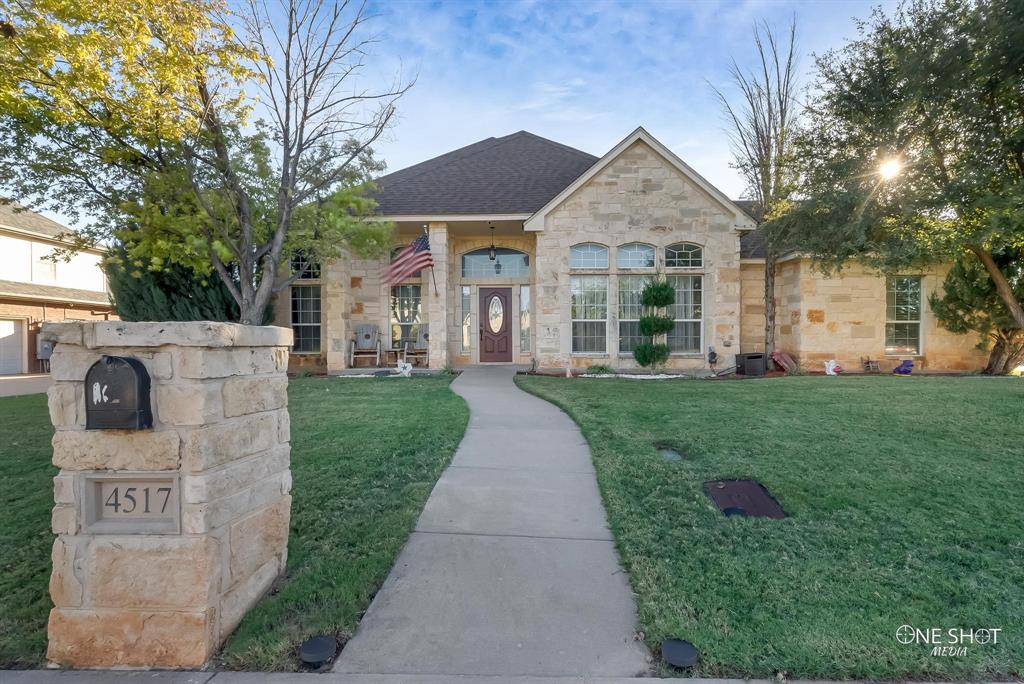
point(131, 503)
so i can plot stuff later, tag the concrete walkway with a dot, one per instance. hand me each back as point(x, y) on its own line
point(511, 570)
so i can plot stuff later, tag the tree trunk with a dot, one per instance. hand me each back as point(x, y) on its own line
point(997, 359)
point(1002, 285)
point(769, 307)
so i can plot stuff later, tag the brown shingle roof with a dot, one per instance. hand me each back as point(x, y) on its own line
point(13, 215)
point(515, 174)
point(9, 288)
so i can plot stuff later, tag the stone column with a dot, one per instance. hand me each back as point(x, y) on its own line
point(437, 300)
point(162, 583)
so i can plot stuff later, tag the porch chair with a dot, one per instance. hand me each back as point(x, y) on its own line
point(419, 349)
point(365, 344)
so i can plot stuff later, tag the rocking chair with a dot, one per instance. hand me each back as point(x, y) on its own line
point(420, 348)
point(365, 344)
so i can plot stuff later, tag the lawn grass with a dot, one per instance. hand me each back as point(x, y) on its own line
point(365, 455)
point(905, 503)
point(26, 497)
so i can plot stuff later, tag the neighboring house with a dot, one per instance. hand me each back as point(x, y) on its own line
point(34, 288)
point(575, 237)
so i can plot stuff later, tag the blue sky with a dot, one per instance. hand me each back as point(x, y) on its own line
point(583, 73)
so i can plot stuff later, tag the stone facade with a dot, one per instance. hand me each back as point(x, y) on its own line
point(842, 317)
point(638, 193)
point(221, 427)
point(638, 197)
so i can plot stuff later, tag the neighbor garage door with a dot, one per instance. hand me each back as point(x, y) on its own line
point(10, 347)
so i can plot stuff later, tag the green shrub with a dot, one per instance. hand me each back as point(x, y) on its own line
point(600, 369)
point(649, 354)
point(651, 325)
point(658, 293)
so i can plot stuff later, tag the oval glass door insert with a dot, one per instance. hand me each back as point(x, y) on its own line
point(495, 314)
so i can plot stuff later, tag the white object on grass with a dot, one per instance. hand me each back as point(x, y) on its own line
point(404, 369)
point(832, 367)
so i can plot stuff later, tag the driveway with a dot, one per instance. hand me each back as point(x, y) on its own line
point(15, 385)
point(511, 569)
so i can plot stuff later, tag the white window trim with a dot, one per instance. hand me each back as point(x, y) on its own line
point(639, 269)
point(685, 270)
point(582, 269)
point(572, 321)
point(700, 350)
point(919, 321)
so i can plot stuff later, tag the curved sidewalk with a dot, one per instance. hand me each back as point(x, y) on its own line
point(511, 569)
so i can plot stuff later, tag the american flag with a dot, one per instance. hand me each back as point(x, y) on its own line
point(413, 258)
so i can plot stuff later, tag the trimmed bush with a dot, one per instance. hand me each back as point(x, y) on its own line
point(649, 354)
point(658, 293)
point(652, 326)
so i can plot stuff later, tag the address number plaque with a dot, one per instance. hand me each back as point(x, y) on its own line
point(131, 503)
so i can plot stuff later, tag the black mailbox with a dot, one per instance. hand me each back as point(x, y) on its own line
point(117, 395)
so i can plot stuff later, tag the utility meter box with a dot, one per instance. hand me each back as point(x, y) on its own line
point(117, 395)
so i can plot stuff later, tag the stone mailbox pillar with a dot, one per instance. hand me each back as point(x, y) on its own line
point(166, 536)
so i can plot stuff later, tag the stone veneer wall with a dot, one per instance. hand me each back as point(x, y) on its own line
point(219, 400)
point(638, 197)
point(752, 307)
point(843, 318)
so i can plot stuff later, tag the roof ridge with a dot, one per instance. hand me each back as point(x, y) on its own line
point(555, 143)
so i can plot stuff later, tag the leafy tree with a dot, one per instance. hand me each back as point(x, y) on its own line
point(763, 126)
point(969, 303)
point(913, 147)
point(175, 293)
point(219, 137)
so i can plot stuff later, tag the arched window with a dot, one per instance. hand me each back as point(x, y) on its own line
point(684, 255)
point(588, 255)
point(508, 263)
point(635, 255)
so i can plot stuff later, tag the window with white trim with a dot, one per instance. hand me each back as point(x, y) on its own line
point(684, 255)
point(687, 313)
point(507, 263)
point(524, 318)
point(903, 316)
point(635, 255)
point(630, 310)
point(306, 319)
point(465, 313)
point(589, 313)
point(588, 255)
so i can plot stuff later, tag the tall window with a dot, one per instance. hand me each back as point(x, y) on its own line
point(306, 319)
point(630, 310)
point(508, 263)
point(687, 312)
point(684, 255)
point(589, 313)
point(524, 318)
point(465, 313)
point(903, 315)
point(405, 315)
point(635, 255)
point(588, 255)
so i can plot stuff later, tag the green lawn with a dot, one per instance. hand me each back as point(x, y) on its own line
point(905, 499)
point(365, 455)
point(26, 497)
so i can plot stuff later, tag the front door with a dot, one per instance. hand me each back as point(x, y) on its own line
point(495, 324)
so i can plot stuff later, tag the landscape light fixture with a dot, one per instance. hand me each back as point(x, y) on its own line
point(890, 168)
